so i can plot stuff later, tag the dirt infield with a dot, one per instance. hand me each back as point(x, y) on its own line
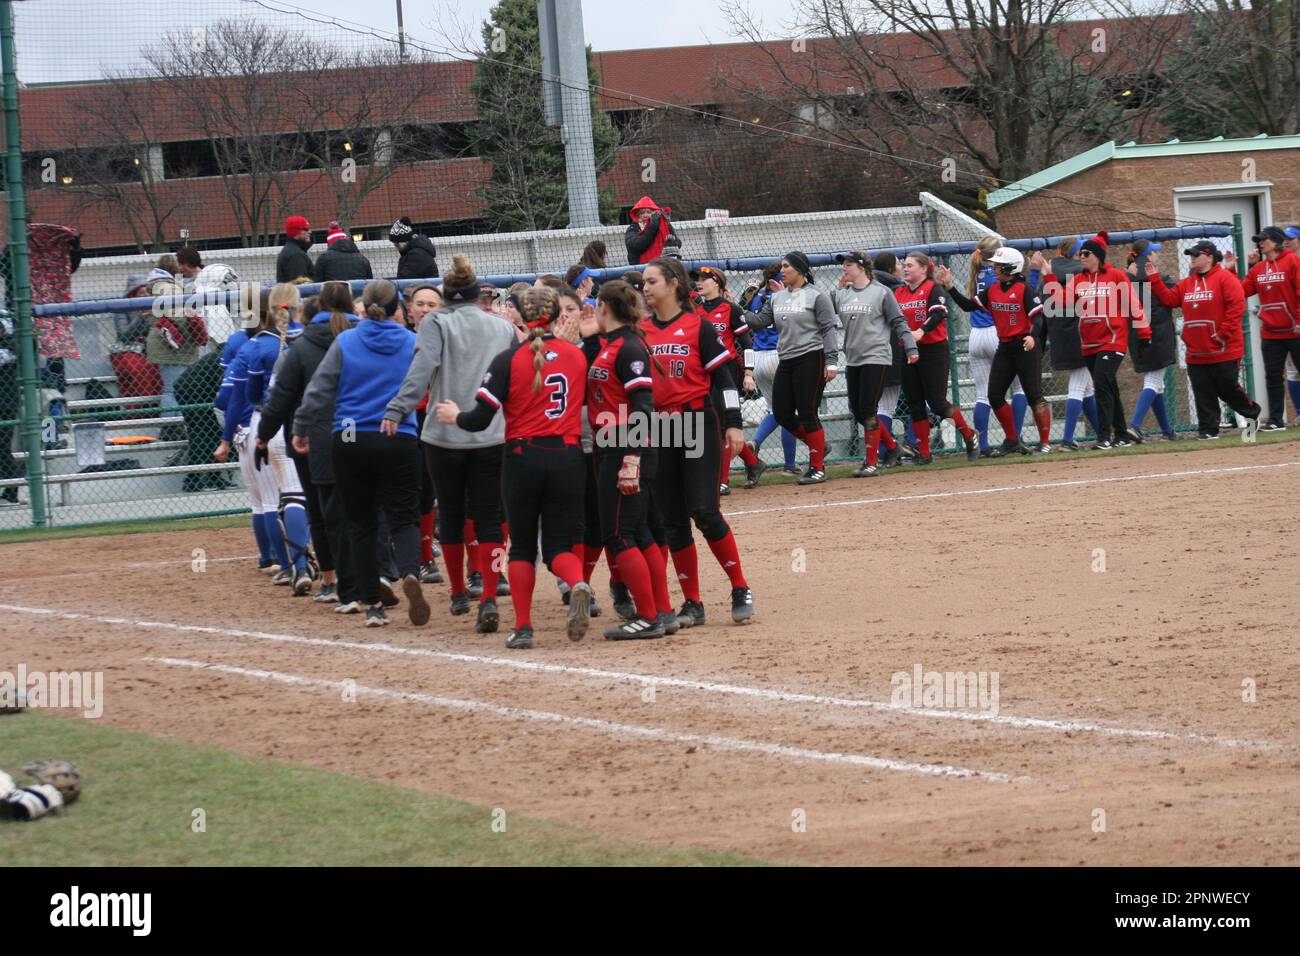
point(1126, 605)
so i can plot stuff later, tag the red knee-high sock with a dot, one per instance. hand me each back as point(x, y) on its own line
point(590, 558)
point(887, 438)
point(1043, 419)
point(568, 568)
point(426, 537)
point(816, 447)
point(615, 576)
point(494, 560)
point(453, 555)
point(922, 428)
point(523, 575)
point(686, 563)
point(632, 566)
point(959, 420)
point(471, 547)
point(747, 456)
point(658, 568)
point(1006, 420)
point(728, 555)
point(873, 445)
point(724, 469)
point(663, 549)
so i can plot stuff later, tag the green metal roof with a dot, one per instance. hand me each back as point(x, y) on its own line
point(1130, 150)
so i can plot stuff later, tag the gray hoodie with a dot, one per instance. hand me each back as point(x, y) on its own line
point(453, 350)
point(870, 317)
point(805, 321)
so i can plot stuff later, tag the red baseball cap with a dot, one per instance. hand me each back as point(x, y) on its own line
point(295, 224)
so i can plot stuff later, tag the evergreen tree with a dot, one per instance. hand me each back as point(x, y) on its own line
point(529, 186)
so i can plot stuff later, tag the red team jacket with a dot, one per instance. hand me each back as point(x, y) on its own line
point(921, 304)
point(556, 408)
point(1104, 301)
point(1212, 305)
point(1277, 284)
point(689, 350)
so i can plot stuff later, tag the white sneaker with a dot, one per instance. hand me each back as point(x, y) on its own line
point(1044, 449)
point(350, 607)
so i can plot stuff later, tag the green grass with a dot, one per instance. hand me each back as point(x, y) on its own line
point(144, 526)
point(140, 791)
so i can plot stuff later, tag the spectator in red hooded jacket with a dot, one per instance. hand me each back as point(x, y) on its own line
point(1103, 299)
point(1213, 303)
point(1275, 278)
point(650, 234)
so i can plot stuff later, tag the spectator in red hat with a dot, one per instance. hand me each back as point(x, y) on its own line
point(293, 261)
point(342, 261)
point(650, 234)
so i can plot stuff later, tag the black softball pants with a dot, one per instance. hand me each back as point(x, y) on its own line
point(796, 393)
point(1104, 367)
point(336, 532)
point(623, 517)
point(686, 487)
point(1275, 353)
point(543, 483)
point(925, 381)
point(592, 518)
point(428, 491)
point(1215, 381)
point(376, 471)
point(469, 486)
point(1010, 362)
point(865, 383)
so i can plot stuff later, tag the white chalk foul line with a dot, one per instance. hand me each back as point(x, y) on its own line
point(591, 723)
point(656, 680)
point(1003, 489)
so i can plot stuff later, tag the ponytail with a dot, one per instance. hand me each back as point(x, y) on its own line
point(538, 359)
point(380, 299)
point(336, 298)
point(281, 303)
point(539, 307)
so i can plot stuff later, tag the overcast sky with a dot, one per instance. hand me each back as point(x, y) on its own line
point(66, 40)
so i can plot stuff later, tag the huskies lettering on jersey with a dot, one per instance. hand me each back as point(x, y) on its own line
point(670, 349)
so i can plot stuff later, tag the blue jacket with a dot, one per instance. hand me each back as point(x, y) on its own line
point(250, 377)
point(228, 353)
point(765, 338)
point(372, 359)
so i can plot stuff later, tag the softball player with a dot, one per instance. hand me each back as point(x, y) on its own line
point(808, 346)
point(242, 416)
point(453, 350)
point(1018, 315)
point(539, 385)
point(694, 362)
point(983, 343)
point(619, 392)
point(884, 269)
point(420, 301)
point(728, 320)
point(1154, 347)
point(871, 320)
point(925, 382)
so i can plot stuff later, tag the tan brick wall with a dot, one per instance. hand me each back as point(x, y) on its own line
point(1127, 194)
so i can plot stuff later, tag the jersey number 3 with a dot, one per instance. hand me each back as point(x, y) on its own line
point(559, 385)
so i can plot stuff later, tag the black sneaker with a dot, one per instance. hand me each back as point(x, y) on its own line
point(520, 639)
point(742, 604)
point(906, 449)
point(988, 453)
point(1133, 435)
point(417, 608)
point(429, 573)
point(1103, 444)
point(375, 617)
point(460, 603)
point(724, 490)
point(1272, 427)
point(754, 472)
point(670, 622)
point(637, 629)
point(624, 606)
point(972, 448)
point(578, 614)
point(867, 471)
point(893, 457)
point(387, 594)
point(691, 614)
point(1173, 436)
point(475, 584)
point(488, 618)
point(1121, 441)
point(790, 470)
point(812, 476)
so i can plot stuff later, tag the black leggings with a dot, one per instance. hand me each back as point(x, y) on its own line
point(428, 492)
point(1215, 381)
point(686, 488)
point(373, 471)
point(865, 383)
point(543, 485)
point(1104, 366)
point(1275, 353)
point(1011, 361)
point(623, 517)
point(592, 518)
point(320, 538)
point(469, 485)
point(925, 381)
point(797, 391)
point(336, 531)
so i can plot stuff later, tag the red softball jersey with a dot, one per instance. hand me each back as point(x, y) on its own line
point(556, 407)
point(689, 350)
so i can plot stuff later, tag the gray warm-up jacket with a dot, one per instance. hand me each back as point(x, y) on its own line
point(805, 321)
point(869, 319)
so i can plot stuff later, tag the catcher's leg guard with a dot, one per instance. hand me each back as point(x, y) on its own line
point(297, 533)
